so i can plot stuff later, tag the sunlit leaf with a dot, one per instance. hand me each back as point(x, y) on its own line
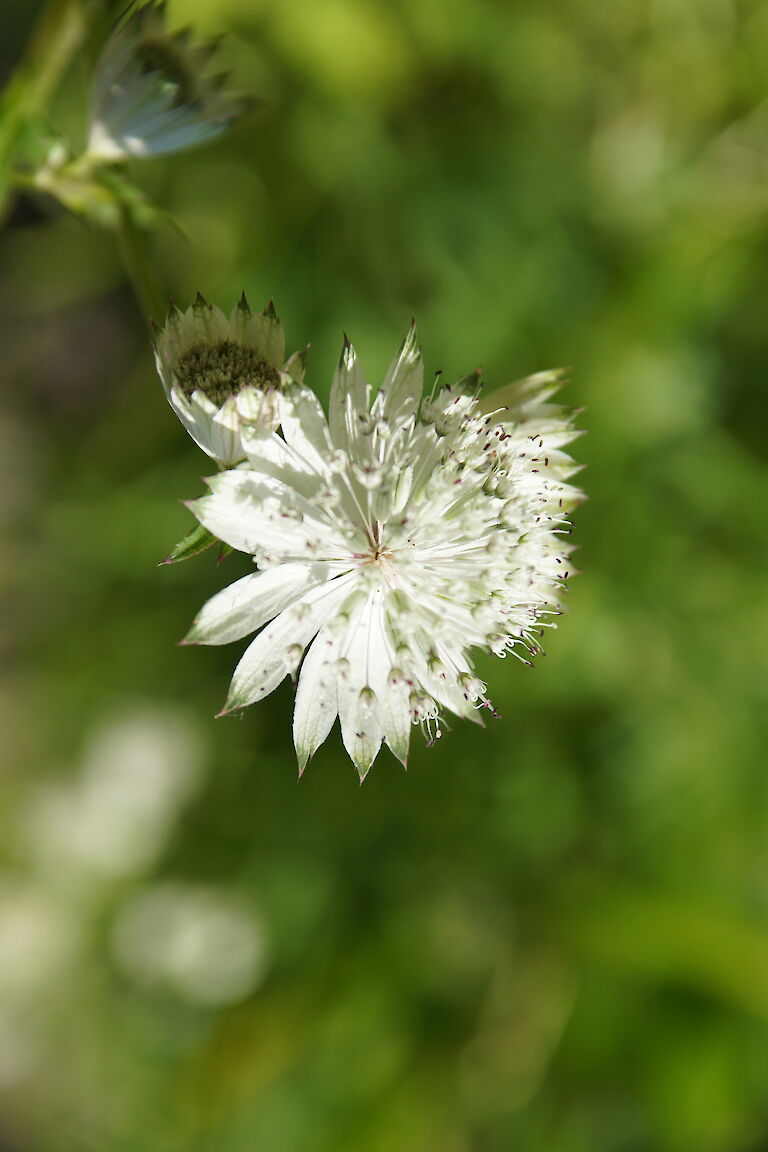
point(198, 540)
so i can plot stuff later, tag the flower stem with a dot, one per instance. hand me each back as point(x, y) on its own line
point(60, 31)
point(152, 300)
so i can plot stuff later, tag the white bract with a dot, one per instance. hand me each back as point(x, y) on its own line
point(152, 94)
point(221, 374)
point(392, 539)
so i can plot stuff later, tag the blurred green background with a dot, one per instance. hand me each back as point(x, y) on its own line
point(550, 935)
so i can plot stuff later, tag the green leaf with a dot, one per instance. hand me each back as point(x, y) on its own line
point(198, 540)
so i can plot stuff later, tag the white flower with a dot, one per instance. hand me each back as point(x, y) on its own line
point(151, 93)
point(195, 940)
point(393, 539)
point(220, 373)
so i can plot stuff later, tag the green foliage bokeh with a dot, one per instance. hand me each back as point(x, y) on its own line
point(550, 935)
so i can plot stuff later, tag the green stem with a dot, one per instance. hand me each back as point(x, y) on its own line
point(59, 33)
point(138, 265)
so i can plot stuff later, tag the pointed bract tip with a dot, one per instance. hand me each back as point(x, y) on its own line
point(200, 302)
point(210, 46)
point(191, 505)
point(270, 310)
point(151, 9)
point(183, 35)
point(243, 305)
point(471, 383)
point(295, 367)
point(410, 342)
point(347, 352)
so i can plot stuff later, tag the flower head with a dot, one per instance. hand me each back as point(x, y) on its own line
point(221, 373)
point(152, 94)
point(393, 539)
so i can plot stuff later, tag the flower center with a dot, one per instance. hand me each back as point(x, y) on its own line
point(377, 563)
point(222, 370)
point(157, 55)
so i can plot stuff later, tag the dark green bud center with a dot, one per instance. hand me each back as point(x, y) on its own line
point(158, 55)
point(222, 370)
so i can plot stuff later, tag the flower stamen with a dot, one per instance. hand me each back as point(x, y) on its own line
point(222, 370)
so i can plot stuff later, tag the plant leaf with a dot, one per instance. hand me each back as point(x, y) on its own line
point(192, 545)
